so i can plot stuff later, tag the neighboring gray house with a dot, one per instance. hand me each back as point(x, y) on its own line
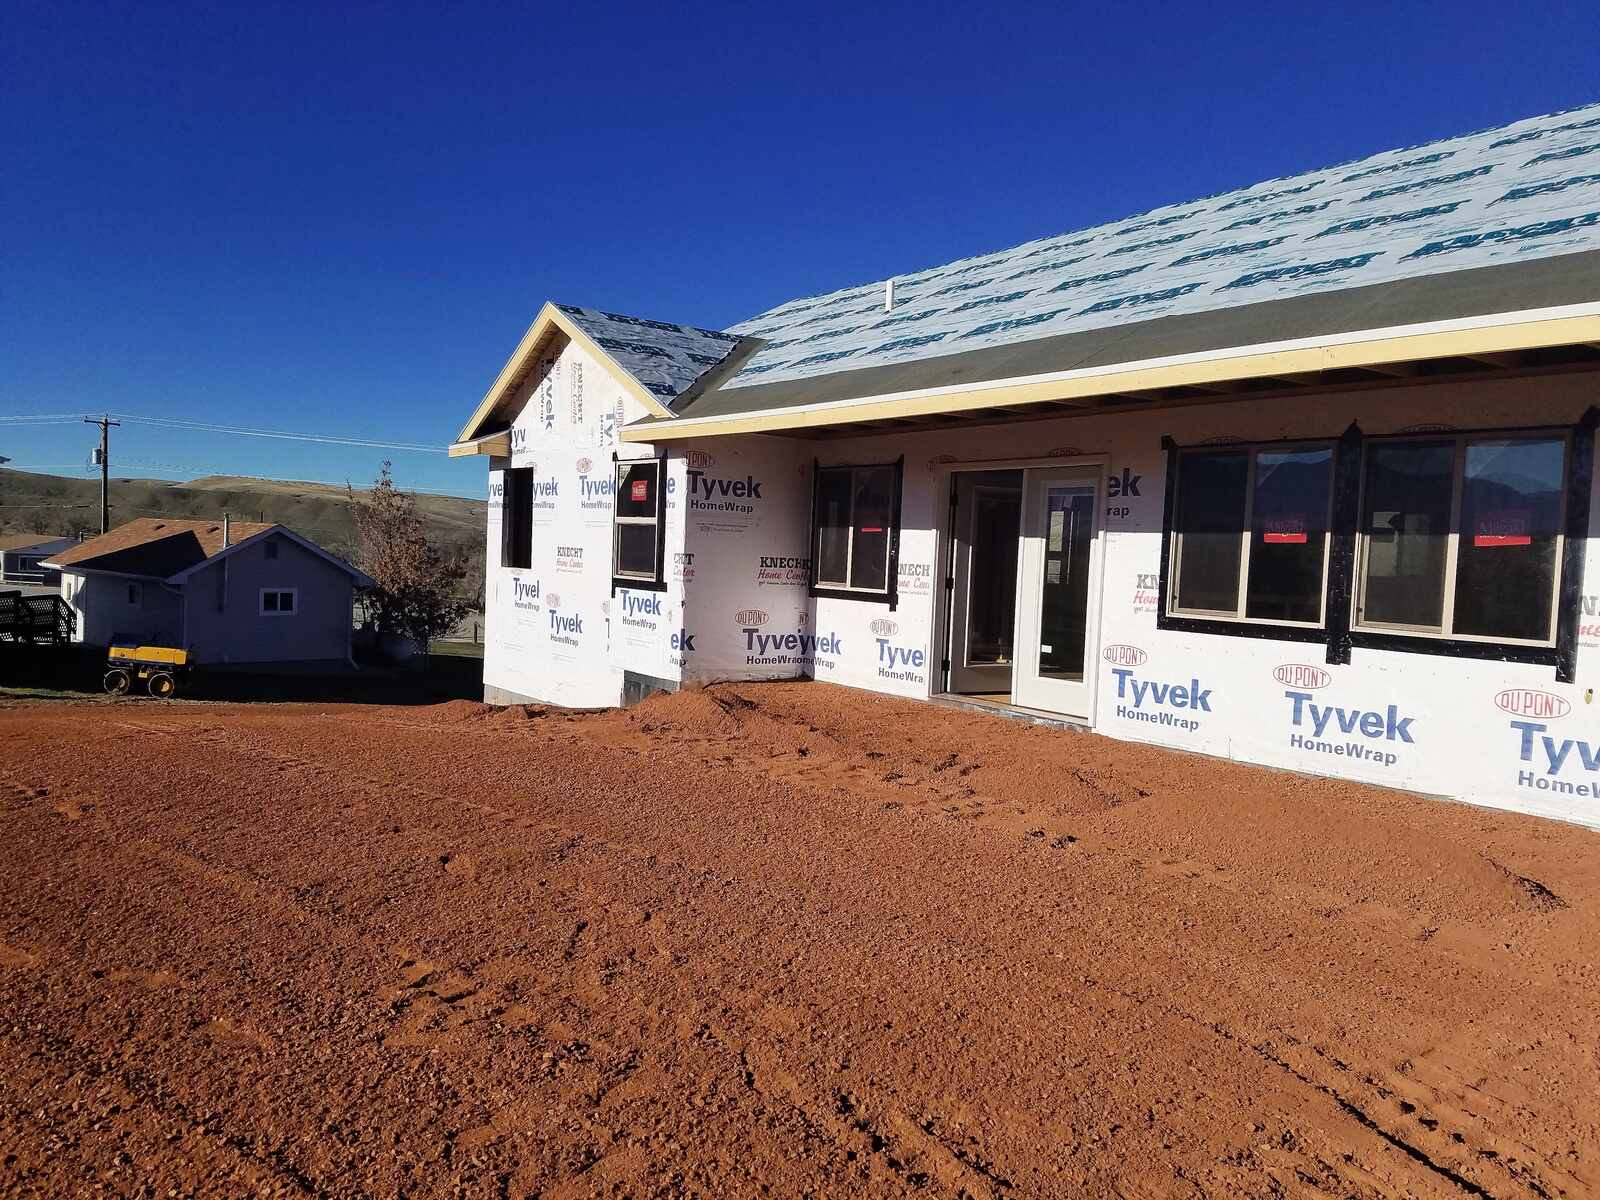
point(228, 592)
point(21, 554)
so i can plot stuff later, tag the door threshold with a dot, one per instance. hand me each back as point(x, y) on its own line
point(1004, 708)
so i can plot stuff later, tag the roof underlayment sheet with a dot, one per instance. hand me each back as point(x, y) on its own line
point(664, 358)
point(1522, 192)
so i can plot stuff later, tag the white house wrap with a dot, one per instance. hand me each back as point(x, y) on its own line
point(1300, 475)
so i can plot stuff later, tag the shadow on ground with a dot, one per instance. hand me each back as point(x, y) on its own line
point(45, 673)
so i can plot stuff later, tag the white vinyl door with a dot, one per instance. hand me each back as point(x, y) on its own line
point(1057, 604)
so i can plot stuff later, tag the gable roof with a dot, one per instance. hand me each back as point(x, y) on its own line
point(657, 362)
point(1523, 192)
point(665, 358)
point(1484, 243)
point(28, 541)
point(153, 548)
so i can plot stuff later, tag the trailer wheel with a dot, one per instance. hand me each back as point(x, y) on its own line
point(117, 681)
point(163, 686)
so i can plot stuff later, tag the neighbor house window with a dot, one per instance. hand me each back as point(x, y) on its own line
point(278, 602)
point(855, 530)
point(516, 518)
point(135, 593)
point(1250, 533)
point(638, 525)
point(270, 548)
point(1461, 537)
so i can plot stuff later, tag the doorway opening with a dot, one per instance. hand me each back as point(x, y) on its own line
point(1023, 552)
point(986, 510)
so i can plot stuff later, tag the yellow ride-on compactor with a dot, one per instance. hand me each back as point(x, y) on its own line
point(158, 668)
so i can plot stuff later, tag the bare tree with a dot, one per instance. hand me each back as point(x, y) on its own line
point(419, 593)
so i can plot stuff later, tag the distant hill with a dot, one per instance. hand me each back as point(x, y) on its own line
point(62, 505)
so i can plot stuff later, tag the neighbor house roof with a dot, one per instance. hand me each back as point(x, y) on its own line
point(164, 549)
point(1487, 241)
point(27, 541)
point(155, 547)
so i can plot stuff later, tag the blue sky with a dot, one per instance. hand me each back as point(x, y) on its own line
point(341, 221)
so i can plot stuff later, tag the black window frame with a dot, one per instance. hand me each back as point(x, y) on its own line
point(639, 583)
point(1172, 539)
point(515, 516)
point(1341, 583)
point(1460, 442)
point(890, 593)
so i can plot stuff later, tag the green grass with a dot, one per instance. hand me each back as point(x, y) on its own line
point(456, 649)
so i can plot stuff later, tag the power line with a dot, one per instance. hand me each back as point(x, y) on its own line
point(286, 435)
point(238, 431)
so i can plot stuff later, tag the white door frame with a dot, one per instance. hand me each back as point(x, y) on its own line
point(945, 564)
point(1029, 589)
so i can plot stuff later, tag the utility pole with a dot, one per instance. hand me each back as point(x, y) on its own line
point(103, 457)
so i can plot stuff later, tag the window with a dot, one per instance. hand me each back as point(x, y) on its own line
point(270, 548)
point(516, 518)
point(1461, 537)
point(278, 602)
point(855, 537)
point(135, 593)
point(1250, 533)
point(638, 525)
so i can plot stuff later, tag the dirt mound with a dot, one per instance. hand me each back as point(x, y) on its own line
point(452, 712)
point(692, 712)
point(513, 716)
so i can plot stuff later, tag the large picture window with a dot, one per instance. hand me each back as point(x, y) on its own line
point(855, 534)
point(637, 528)
point(1461, 537)
point(1250, 533)
point(516, 518)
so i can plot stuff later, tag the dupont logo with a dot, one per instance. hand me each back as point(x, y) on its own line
point(1301, 675)
point(699, 459)
point(1528, 702)
point(552, 601)
point(747, 617)
point(585, 465)
point(883, 627)
point(1124, 656)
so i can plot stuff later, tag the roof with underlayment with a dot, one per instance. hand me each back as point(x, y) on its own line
point(665, 358)
point(1527, 190)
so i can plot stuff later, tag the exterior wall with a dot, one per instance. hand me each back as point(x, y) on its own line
point(555, 632)
point(1443, 731)
point(224, 619)
point(737, 605)
point(104, 612)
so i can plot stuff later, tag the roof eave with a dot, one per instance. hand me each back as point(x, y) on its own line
point(1494, 333)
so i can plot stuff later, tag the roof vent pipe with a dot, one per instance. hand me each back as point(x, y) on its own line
point(888, 295)
point(225, 531)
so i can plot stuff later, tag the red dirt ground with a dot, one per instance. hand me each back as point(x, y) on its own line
point(767, 940)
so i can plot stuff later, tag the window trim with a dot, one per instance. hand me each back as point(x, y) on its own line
point(1247, 531)
point(1339, 634)
point(261, 602)
point(888, 594)
point(1460, 440)
point(640, 583)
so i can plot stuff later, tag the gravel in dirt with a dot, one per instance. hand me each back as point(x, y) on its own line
point(783, 940)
